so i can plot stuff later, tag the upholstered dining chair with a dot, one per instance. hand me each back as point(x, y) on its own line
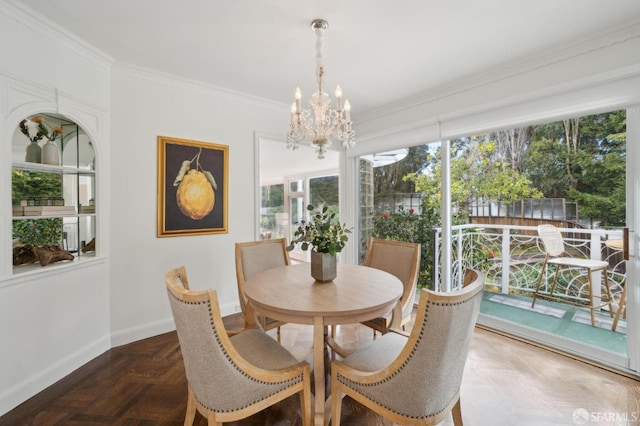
point(414, 379)
point(230, 378)
point(402, 260)
point(556, 254)
point(253, 257)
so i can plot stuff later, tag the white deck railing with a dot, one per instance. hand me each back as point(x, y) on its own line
point(512, 256)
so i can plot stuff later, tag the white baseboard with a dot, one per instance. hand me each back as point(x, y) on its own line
point(140, 332)
point(16, 395)
point(166, 325)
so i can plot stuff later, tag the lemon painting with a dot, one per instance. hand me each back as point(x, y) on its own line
point(193, 185)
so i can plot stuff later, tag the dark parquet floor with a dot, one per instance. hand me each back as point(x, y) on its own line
point(506, 382)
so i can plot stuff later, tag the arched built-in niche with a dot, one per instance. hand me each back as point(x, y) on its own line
point(53, 192)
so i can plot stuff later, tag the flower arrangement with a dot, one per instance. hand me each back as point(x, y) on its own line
point(36, 129)
point(323, 232)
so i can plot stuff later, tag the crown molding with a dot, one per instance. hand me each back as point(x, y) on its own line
point(560, 54)
point(37, 22)
point(172, 80)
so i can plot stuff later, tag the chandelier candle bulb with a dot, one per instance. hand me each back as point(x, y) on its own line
point(339, 98)
point(298, 99)
point(347, 111)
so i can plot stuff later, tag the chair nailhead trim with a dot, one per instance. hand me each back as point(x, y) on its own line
point(288, 383)
point(352, 385)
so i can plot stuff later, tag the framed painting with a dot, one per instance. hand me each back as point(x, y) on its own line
point(192, 187)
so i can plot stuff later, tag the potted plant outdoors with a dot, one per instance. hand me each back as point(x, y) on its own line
point(326, 236)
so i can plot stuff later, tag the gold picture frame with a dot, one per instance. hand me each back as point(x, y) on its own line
point(192, 187)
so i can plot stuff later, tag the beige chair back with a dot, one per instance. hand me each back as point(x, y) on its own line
point(422, 384)
point(400, 259)
point(223, 384)
point(256, 256)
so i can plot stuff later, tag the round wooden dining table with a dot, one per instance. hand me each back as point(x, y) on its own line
point(290, 294)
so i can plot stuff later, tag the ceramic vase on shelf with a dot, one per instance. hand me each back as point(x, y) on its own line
point(323, 266)
point(50, 154)
point(34, 153)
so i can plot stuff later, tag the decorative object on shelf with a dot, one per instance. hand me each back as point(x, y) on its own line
point(326, 236)
point(24, 254)
point(46, 254)
point(90, 247)
point(36, 130)
point(192, 187)
point(34, 153)
point(51, 254)
point(48, 210)
point(50, 154)
point(321, 122)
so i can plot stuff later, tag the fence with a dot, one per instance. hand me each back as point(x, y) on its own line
point(512, 256)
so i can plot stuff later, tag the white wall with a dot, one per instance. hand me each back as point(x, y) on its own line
point(53, 320)
point(143, 107)
point(51, 324)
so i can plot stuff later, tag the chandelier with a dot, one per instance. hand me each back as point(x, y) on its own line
point(322, 122)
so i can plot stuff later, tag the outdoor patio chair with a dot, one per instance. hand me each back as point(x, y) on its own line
point(230, 378)
point(402, 260)
point(414, 379)
point(253, 257)
point(556, 254)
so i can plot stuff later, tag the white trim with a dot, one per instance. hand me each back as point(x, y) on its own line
point(533, 63)
point(633, 222)
point(35, 21)
point(181, 83)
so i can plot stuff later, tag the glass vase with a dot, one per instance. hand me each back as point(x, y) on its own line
point(34, 153)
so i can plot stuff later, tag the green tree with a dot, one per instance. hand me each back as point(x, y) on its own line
point(476, 172)
point(27, 184)
point(584, 160)
point(389, 179)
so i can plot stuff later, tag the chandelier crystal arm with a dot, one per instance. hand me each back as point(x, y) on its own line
point(321, 122)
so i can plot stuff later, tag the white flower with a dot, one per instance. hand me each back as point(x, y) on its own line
point(32, 128)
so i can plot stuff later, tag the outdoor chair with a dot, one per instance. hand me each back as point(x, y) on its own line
point(253, 257)
point(556, 254)
point(402, 260)
point(230, 378)
point(414, 379)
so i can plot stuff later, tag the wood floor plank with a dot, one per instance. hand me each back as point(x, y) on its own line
point(506, 382)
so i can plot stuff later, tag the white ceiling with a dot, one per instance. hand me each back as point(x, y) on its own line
point(379, 51)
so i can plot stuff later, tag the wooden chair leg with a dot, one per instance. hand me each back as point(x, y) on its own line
point(305, 408)
point(555, 281)
point(608, 288)
point(191, 408)
point(593, 308)
point(456, 412)
point(621, 306)
point(336, 407)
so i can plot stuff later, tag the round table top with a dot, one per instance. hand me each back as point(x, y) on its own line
point(289, 293)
